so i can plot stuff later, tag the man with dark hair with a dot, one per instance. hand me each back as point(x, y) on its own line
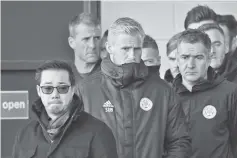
point(103, 40)
point(209, 101)
point(62, 129)
point(150, 54)
point(198, 16)
point(228, 24)
point(84, 39)
point(221, 61)
point(171, 50)
point(140, 108)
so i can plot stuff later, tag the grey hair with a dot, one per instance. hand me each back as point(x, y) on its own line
point(126, 25)
point(85, 18)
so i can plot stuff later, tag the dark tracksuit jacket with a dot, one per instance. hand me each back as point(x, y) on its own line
point(211, 110)
point(154, 69)
point(168, 77)
point(83, 136)
point(141, 110)
point(229, 68)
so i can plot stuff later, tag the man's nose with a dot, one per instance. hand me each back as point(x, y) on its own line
point(91, 42)
point(131, 54)
point(55, 93)
point(213, 50)
point(191, 63)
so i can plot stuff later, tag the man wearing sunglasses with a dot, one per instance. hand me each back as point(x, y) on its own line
point(62, 129)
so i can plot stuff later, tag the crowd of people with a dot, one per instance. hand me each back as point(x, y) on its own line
point(112, 103)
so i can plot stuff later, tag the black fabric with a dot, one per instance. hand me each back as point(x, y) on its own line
point(169, 77)
point(123, 75)
point(154, 69)
point(228, 68)
point(83, 136)
point(118, 96)
point(212, 131)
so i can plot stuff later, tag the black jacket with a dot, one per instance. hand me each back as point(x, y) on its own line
point(211, 110)
point(169, 77)
point(83, 136)
point(229, 68)
point(141, 110)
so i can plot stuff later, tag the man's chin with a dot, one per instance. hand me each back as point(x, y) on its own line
point(215, 66)
point(192, 78)
point(92, 60)
point(55, 108)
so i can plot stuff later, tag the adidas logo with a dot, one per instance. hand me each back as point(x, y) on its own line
point(108, 107)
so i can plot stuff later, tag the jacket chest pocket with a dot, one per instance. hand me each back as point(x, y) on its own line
point(74, 153)
point(27, 153)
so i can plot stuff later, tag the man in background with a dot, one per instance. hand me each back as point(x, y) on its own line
point(103, 51)
point(228, 24)
point(221, 61)
point(150, 54)
point(171, 50)
point(198, 16)
point(84, 39)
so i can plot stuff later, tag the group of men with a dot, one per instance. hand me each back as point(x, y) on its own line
point(112, 102)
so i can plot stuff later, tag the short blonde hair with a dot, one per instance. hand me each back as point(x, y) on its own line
point(126, 25)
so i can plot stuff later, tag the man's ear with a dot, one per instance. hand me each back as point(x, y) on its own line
point(108, 47)
point(38, 90)
point(71, 42)
point(159, 59)
point(234, 43)
point(227, 49)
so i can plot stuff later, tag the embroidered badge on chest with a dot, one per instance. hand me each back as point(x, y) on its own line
point(146, 104)
point(209, 112)
point(108, 107)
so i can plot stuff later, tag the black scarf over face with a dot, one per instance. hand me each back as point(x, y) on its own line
point(125, 74)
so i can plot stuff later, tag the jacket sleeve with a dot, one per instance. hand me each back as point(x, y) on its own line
point(103, 144)
point(177, 139)
point(233, 124)
point(15, 150)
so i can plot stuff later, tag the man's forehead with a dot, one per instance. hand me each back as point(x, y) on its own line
point(54, 76)
point(191, 49)
point(196, 25)
point(83, 29)
point(149, 53)
point(214, 34)
point(126, 40)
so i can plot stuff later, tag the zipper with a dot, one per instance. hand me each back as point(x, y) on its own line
point(133, 122)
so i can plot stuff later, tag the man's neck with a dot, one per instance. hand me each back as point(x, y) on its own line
point(82, 66)
point(187, 84)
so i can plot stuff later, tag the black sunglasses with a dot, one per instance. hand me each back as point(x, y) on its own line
point(49, 89)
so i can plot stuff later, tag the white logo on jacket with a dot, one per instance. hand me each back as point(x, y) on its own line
point(146, 104)
point(209, 112)
point(108, 107)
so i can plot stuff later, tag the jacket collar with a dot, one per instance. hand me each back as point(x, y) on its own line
point(122, 76)
point(154, 69)
point(80, 76)
point(168, 76)
point(228, 68)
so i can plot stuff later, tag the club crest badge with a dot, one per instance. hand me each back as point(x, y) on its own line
point(146, 104)
point(209, 112)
